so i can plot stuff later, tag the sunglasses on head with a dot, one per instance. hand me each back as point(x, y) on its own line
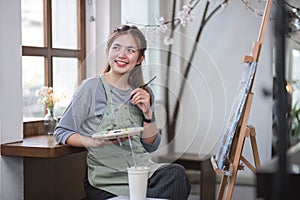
point(124, 28)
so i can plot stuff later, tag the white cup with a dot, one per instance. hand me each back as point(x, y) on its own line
point(138, 182)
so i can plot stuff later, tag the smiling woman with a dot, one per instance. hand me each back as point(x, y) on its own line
point(95, 109)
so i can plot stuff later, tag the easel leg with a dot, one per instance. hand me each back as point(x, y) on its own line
point(237, 152)
point(254, 146)
point(231, 183)
point(222, 187)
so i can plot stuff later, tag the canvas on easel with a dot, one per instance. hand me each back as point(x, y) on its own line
point(235, 114)
point(229, 157)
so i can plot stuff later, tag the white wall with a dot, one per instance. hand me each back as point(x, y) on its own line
point(11, 168)
point(107, 15)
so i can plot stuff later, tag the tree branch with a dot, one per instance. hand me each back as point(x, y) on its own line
point(187, 69)
point(167, 106)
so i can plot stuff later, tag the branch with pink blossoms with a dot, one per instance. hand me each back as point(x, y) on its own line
point(258, 12)
point(183, 17)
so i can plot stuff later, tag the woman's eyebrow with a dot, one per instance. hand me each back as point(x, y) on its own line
point(128, 47)
point(132, 47)
point(116, 44)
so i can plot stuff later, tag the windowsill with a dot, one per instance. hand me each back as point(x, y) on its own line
point(39, 146)
point(32, 119)
point(36, 144)
point(33, 128)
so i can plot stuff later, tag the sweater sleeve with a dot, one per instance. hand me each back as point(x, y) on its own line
point(152, 147)
point(82, 116)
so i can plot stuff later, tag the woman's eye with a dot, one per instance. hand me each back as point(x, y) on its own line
point(131, 50)
point(115, 48)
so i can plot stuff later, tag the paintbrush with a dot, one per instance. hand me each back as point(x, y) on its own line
point(142, 86)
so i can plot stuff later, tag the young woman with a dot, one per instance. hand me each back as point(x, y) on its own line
point(114, 100)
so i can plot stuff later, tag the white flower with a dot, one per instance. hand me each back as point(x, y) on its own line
point(259, 12)
point(151, 34)
point(162, 26)
point(192, 16)
point(168, 41)
point(186, 15)
point(247, 3)
point(224, 4)
point(47, 97)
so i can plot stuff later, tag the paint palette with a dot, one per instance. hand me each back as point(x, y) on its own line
point(120, 133)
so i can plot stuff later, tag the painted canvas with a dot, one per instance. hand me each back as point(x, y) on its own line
point(235, 113)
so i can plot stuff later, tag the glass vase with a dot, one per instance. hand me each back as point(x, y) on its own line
point(50, 122)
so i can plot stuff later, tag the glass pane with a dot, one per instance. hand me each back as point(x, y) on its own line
point(32, 23)
point(64, 22)
point(64, 81)
point(296, 76)
point(33, 79)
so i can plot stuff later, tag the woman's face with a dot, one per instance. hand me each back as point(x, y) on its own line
point(123, 54)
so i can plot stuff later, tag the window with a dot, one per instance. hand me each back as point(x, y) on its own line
point(296, 75)
point(53, 51)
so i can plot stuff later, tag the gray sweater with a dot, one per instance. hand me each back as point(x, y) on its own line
point(85, 112)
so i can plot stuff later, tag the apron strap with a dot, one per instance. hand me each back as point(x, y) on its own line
point(110, 109)
point(106, 88)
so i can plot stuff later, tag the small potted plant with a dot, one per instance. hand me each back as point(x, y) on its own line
point(47, 97)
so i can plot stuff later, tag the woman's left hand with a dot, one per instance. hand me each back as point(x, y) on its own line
point(142, 99)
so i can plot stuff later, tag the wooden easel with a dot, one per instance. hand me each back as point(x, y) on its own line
point(243, 130)
point(235, 155)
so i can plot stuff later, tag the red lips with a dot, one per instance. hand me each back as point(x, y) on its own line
point(121, 63)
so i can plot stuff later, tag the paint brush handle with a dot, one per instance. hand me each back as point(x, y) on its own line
point(142, 86)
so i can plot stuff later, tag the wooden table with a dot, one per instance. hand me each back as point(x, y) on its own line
point(51, 171)
point(196, 162)
point(40, 146)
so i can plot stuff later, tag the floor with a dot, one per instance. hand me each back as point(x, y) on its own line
point(244, 190)
point(239, 192)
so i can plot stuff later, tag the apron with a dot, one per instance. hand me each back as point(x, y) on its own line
point(107, 165)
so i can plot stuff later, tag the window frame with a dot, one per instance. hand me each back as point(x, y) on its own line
point(48, 52)
point(36, 127)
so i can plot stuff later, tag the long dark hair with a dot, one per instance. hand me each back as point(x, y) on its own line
point(136, 76)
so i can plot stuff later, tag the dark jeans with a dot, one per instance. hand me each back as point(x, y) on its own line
point(168, 182)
